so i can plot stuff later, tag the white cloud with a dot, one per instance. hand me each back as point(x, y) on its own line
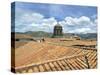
point(70, 21)
point(32, 17)
point(38, 22)
point(83, 20)
point(82, 24)
point(81, 30)
point(34, 22)
point(49, 22)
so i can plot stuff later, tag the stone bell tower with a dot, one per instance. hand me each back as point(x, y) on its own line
point(58, 31)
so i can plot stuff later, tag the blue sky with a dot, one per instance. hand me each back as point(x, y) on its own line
point(43, 17)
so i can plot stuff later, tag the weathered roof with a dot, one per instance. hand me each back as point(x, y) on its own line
point(41, 52)
point(21, 36)
point(52, 56)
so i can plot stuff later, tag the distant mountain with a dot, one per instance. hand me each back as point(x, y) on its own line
point(83, 36)
point(88, 36)
point(39, 34)
point(47, 34)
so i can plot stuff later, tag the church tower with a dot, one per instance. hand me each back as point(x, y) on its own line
point(58, 31)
